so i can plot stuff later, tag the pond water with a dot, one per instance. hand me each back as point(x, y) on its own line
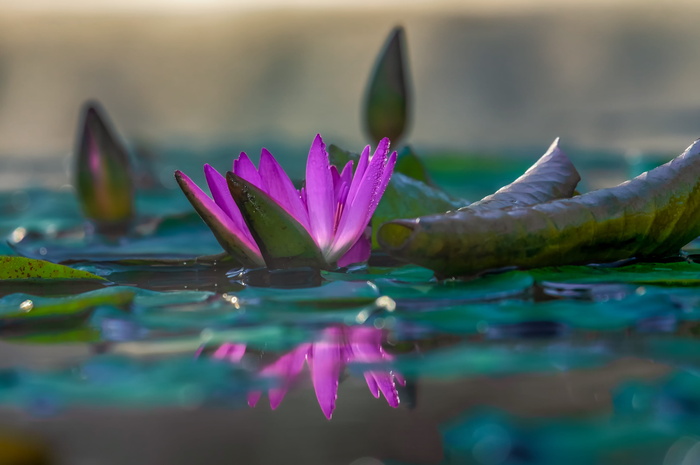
point(179, 361)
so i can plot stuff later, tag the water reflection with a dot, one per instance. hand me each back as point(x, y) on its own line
point(327, 358)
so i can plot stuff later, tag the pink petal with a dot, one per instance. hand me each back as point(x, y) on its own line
point(326, 365)
point(354, 218)
point(366, 346)
point(287, 368)
point(358, 253)
point(341, 194)
point(281, 189)
point(346, 174)
point(230, 351)
point(335, 176)
point(254, 398)
point(222, 197)
point(217, 213)
point(245, 168)
point(372, 385)
point(359, 173)
point(383, 183)
point(385, 382)
point(319, 194)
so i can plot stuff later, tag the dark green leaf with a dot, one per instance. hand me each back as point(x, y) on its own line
point(653, 215)
point(406, 197)
point(283, 241)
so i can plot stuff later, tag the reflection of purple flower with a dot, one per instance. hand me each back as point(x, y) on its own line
point(327, 359)
point(334, 207)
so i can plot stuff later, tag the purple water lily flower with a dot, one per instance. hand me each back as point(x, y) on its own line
point(327, 358)
point(334, 207)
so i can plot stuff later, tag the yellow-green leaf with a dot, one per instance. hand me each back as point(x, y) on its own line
point(22, 269)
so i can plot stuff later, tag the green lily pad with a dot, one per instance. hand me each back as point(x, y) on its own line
point(658, 274)
point(408, 273)
point(332, 295)
point(651, 216)
point(23, 269)
point(490, 287)
point(24, 309)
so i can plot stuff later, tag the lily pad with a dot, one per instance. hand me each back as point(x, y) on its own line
point(21, 309)
point(651, 216)
point(657, 274)
point(23, 269)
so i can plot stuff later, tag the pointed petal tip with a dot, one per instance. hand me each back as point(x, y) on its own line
point(554, 145)
point(328, 411)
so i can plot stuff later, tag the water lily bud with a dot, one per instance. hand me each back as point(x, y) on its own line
point(387, 102)
point(103, 174)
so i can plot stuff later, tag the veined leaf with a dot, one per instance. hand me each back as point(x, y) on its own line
point(283, 241)
point(20, 268)
point(553, 176)
point(653, 215)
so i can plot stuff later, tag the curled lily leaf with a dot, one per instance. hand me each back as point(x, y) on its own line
point(263, 220)
point(553, 176)
point(103, 174)
point(652, 215)
point(387, 102)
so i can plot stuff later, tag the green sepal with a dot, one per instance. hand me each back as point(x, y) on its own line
point(283, 241)
point(230, 242)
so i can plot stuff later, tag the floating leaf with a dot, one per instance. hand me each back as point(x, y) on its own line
point(432, 295)
point(283, 241)
point(103, 174)
point(337, 294)
point(22, 309)
point(20, 268)
point(553, 176)
point(387, 102)
point(657, 274)
point(653, 215)
point(407, 197)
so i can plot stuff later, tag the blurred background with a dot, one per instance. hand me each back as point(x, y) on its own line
point(195, 75)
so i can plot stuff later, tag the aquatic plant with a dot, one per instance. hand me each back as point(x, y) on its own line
point(261, 219)
point(650, 216)
point(103, 174)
